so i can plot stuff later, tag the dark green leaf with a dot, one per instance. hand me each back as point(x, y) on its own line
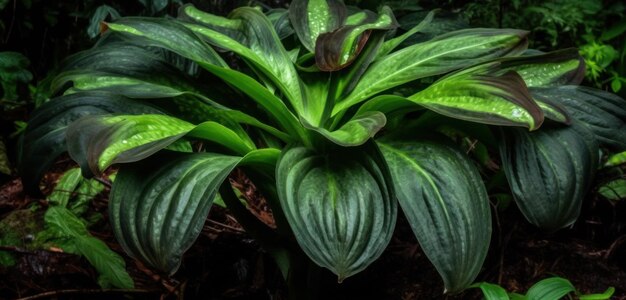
point(340, 205)
point(167, 34)
point(556, 68)
point(604, 113)
point(158, 206)
point(549, 172)
point(446, 203)
point(44, 138)
point(100, 15)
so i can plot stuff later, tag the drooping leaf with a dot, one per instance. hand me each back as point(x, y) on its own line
point(249, 33)
point(96, 142)
point(446, 203)
point(168, 34)
point(72, 233)
point(311, 18)
point(549, 172)
point(44, 138)
point(446, 53)
point(553, 288)
point(356, 131)
point(339, 205)
point(562, 67)
point(159, 205)
point(337, 49)
point(471, 96)
point(604, 113)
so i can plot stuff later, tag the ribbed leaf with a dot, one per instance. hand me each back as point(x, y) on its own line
point(97, 142)
point(340, 205)
point(550, 289)
point(44, 138)
point(310, 18)
point(249, 33)
point(446, 203)
point(604, 113)
point(157, 209)
point(168, 34)
point(337, 49)
point(549, 172)
point(446, 53)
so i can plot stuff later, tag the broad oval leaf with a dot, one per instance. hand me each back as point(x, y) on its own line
point(549, 172)
point(446, 203)
point(97, 142)
point(604, 113)
point(44, 139)
point(492, 291)
point(446, 53)
point(157, 209)
point(340, 205)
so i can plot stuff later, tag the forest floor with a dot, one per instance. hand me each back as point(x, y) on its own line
point(225, 263)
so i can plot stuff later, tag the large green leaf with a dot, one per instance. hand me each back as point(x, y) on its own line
point(604, 113)
point(96, 142)
point(168, 34)
point(339, 205)
point(159, 205)
point(446, 203)
point(446, 53)
point(549, 172)
point(44, 138)
point(250, 34)
point(311, 18)
point(469, 95)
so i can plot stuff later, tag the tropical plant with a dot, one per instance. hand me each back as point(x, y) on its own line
point(335, 119)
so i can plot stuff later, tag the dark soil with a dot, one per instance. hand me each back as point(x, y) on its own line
point(225, 263)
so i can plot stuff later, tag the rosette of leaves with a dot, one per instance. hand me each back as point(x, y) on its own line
point(330, 113)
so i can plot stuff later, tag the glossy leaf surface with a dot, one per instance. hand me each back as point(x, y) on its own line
point(446, 203)
point(340, 206)
point(549, 172)
point(44, 138)
point(310, 18)
point(157, 209)
point(100, 141)
point(604, 113)
point(446, 53)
